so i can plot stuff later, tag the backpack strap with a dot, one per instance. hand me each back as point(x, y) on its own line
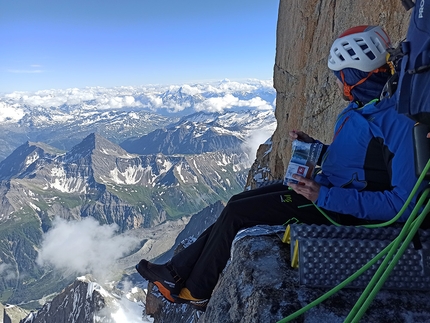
point(408, 4)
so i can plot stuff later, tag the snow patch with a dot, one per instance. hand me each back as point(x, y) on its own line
point(112, 152)
point(65, 184)
point(31, 159)
point(130, 176)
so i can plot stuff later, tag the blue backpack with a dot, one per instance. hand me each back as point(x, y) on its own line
point(413, 88)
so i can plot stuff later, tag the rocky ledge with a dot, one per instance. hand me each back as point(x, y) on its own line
point(259, 285)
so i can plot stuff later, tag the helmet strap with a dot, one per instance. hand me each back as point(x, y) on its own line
point(348, 88)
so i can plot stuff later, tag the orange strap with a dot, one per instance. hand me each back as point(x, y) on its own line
point(348, 88)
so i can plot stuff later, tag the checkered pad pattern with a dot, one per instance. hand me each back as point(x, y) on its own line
point(328, 255)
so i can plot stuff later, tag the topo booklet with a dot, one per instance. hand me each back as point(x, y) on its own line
point(304, 158)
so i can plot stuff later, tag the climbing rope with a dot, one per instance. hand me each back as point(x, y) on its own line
point(393, 253)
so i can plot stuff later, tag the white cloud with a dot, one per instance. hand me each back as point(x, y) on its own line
point(44, 100)
point(218, 104)
point(117, 102)
point(213, 97)
point(82, 247)
point(10, 113)
point(229, 101)
point(258, 137)
point(70, 97)
point(173, 106)
point(190, 90)
point(257, 103)
point(154, 100)
point(228, 85)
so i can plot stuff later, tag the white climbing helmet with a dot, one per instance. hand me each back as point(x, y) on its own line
point(361, 47)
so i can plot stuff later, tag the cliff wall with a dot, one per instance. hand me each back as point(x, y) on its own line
point(307, 95)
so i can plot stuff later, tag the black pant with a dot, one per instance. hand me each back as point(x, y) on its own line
point(201, 263)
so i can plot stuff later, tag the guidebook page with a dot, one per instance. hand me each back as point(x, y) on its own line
point(304, 158)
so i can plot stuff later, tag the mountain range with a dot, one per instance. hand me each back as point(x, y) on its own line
point(62, 118)
point(124, 166)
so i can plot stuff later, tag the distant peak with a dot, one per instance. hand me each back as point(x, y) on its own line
point(95, 143)
point(95, 139)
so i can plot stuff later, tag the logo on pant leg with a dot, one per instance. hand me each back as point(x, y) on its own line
point(286, 198)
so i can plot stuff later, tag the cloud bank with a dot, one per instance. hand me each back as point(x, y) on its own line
point(84, 247)
point(255, 139)
point(10, 114)
point(229, 101)
point(210, 97)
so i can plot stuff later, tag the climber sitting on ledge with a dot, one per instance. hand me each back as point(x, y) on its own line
point(367, 174)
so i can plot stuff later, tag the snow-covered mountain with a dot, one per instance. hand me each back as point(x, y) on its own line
point(205, 132)
point(62, 118)
point(86, 301)
point(183, 148)
point(99, 179)
point(132, 190)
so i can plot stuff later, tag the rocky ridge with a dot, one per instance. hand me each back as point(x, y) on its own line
point(85, 301)
point(98, 179)
point(259, 285)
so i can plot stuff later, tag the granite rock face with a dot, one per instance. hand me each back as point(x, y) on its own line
point(259, 285)
point(307, 95)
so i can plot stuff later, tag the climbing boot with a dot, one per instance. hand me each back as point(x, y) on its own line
point(163, 276)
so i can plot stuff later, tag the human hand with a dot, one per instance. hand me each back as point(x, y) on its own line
point(306, 187)
point(300, 135)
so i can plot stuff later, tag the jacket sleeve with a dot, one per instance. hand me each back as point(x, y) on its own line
point(384, 205)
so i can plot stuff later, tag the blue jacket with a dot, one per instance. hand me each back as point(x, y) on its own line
point(368, 170)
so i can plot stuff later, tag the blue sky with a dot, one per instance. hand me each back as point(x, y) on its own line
point(55, 44)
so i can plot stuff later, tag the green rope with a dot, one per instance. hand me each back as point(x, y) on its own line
point(388, 264)
point(356, 274)
point(327, 217)
point(290, 221)
point(377, 281)
point(338, 287)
